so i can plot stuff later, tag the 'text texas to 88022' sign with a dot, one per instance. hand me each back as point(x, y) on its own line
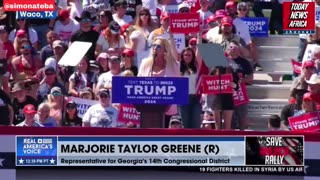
point(150, 90)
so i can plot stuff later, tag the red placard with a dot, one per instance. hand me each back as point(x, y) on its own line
point(185, 22)
point(128, 113)
point(299, 17)
point(241, 96)
point(296, 66)
point(305, 122)
point(211, 84)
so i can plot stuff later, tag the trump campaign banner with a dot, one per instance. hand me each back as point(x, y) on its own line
point(82, 105)
point(308, 52)
point(180, 41)
point(184, 22)
point(128, 113)
point(217, 85)
point(305, 122)
point(258, 26)
point(317, 13)
point(296, 65)
point(150, 90)
point(241, 96)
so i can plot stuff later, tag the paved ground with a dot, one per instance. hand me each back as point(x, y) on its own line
point(44, 174)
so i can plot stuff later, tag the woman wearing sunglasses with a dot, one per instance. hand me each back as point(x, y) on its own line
point(55, 102)
point(71, 117)
point(26, 65)
point(105, 17)
point(30, 33)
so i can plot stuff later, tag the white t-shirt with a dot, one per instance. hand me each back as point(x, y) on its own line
point(242, 30)
point(203, 18)
point(66, 31)
point(141, 40)
point(82, 81)
point(33, 36)
point(99, 116)
point(102, 41)
point(125, 20)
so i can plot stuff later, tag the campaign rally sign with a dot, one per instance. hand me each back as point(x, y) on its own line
point(180, 41)
point(305, 122)
point(258, 26)
point(241, 96)
point(185, 23)
point(150, 90)
point(308, 52)
point(212, 84)
point(296, 65)
point(317, 13)
point(128, 113)
point(82, 105)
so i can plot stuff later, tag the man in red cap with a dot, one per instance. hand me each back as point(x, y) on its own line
point(219, 14)
point(163, 30)
point(65, 27)
point(307, 69)
point(29, 112)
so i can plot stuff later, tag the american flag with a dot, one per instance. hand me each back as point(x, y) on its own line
point(295, 146)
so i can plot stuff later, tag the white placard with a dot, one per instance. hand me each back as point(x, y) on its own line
point(180, 41)
point(140, 56)
point(308, 52)
point(75, 53)
point(317, 13)
point(83, 105)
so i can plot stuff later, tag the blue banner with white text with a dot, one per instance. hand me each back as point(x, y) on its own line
point(150, 90)
point(258, 26)
point(37, 15)
point(36, 151)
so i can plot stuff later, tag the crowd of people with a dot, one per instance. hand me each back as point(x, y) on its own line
point(36, 90)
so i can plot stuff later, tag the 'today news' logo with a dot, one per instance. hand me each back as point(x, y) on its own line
point(298, 17)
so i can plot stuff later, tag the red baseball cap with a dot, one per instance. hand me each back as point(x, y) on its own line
point(164, 16)
point(221, 13)
point(64, 14)
point(29, 109)
point(307, 97)
point(192, 41)
point(128, 52)
point(231, 4)
point(21, 33)
point(308, 63)
point(211, 18)
point(227, 21)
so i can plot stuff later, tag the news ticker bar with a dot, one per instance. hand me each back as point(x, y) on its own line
point(160, 151)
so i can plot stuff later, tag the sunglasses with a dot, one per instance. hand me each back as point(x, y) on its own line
point(143, 14)
point(125, 55)
point(184, 11)
point(309, 67)
point(26, 47)
point(71, 106)
point(57, 94)
point(156, 46)
point(50, 73)
point(213, 23)
point(86, 20)
point(104, 96)
point(102, 16)
point(242, 9)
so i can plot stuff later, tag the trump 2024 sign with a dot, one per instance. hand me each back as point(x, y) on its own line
point(150, 90)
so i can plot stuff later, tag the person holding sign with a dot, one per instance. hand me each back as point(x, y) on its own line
point(102, 114)
point(191, 112)
point(162, 62)
point(245, 72)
